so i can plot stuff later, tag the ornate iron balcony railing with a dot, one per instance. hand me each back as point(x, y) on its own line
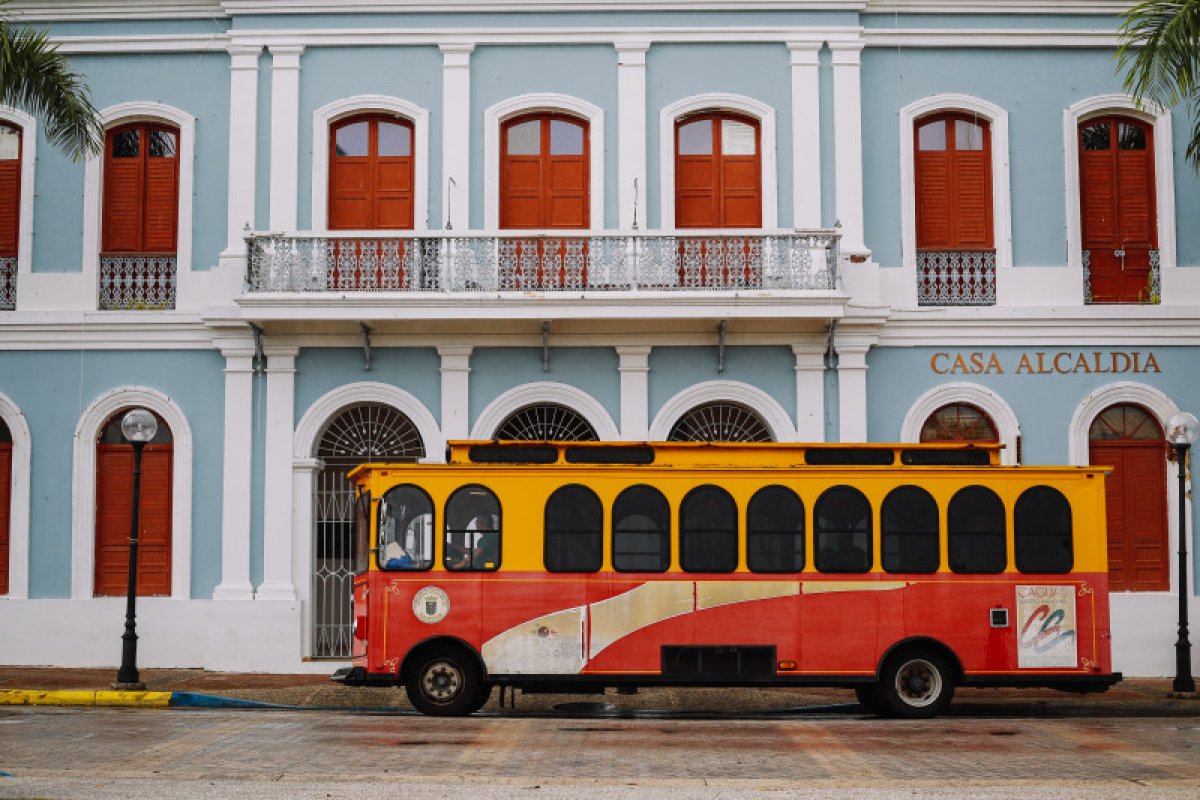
point(8, 283)
point(542, 262)
point(137, 281)
point(956, 277)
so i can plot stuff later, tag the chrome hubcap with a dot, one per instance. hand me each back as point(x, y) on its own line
point(918, 683)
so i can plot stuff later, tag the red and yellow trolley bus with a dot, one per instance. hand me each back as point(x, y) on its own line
point(900, 571)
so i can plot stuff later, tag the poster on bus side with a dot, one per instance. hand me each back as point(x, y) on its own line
point(1046, 634)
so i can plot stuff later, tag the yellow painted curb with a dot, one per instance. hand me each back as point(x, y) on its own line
point(80, 697)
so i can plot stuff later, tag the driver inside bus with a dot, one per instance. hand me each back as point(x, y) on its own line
point(485, 552)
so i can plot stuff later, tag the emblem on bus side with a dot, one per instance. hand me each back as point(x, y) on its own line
point(431, 605)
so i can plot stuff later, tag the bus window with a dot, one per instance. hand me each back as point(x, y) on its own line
point(472, 540)
point(362, 532)
point(405, 529)
point(975, 528)
point(574, 531)
point(641, 535)
point(908, 530)
point(708, 531)
point(842, 519)
point(1042, 529)
point(775, 531)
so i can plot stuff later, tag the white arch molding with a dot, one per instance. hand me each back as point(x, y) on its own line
point(550, 102)
point(1007, 426)
point(500, 409)
point(1164, 171)
point(93, 180)
point(764, 405)
point(330, 113)
point(29, 135)
point(718, 101)
point(1163, 408)
point(18, 499)
point(83, 486)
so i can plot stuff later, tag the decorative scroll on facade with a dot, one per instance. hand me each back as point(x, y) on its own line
point(956, 277)
point(523, 262)
point(8, 284)
point(137, 282)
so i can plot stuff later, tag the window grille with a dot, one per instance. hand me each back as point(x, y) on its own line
point(546, 422)
point(720, 422)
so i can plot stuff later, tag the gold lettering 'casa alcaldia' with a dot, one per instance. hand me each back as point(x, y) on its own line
point(1063, 362)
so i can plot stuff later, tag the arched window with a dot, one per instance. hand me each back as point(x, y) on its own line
point(6, 445)
point(141, 189)
point(371, 173)
point(405, 529)
point(708, 531)
point(114, 511)
point(775, 531)
point(10, 211)
point(546, 422)
point(574, 531)
point(544, 172)
point(1129, 439)
point(1118, 211)
point(473, 524)
point(1042, 531)
point(975, 527)
point(959, 422)
point(842, 530)
point(720, 422)
point(641, 531)
point(908, 530)
point(718, 171)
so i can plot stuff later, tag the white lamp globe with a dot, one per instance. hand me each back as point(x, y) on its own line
point(1182, 429)
point(139, 425)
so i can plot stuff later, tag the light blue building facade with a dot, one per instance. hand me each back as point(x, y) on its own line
point(280, 344)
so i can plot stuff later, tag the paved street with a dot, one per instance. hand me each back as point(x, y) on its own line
point(832, 752)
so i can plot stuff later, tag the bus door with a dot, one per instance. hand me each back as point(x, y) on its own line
point(362, 559)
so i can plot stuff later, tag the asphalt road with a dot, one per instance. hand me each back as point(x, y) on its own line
point(823, 753)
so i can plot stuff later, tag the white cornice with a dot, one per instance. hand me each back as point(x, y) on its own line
point(58, 10)
point(236, 7)
point(1108, 7)
point(165, 43)
point(984, 37)
point(105, 331)
point(1109, 325)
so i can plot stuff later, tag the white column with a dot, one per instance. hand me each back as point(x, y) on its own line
point(810, 391)
point(456, 385)
point(235, 472)
point(847, 124)
point(304, 474)
point(852, 390)
point(631, 133)
point(806, 134)
point(277, 480)
point(243, 144)
point(634, 367)
point(285, 134)
point(456, 135)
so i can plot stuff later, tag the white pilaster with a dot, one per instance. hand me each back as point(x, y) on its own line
point(304, 476)
point(456, 135)
point(235, 471)
point(631, 134)
point(456, 385)
point(285, 134)
point(277, 481)
point(243, 143)
point(806, 135)
point(634, 367)
point(852, 388)
point(847, 124)
point(810, 391)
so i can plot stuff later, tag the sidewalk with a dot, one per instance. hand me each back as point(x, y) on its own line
point(1132, 697)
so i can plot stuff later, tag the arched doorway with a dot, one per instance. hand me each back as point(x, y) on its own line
point(5, 501)
point(546, 422)
point(114, 511)
point(359, 433)
point(959, 422)
point(720, 422)
point(1129, 439)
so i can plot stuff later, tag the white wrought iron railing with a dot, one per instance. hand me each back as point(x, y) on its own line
point(956, 277)
point(137, 281)
point(542, 262)
point(8, 283)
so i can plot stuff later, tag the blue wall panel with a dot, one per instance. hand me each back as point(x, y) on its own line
point(495, 370)
point(322, 369)
point(771, 369)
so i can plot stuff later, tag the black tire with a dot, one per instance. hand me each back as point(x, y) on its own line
point(444, 681)
point(916, 684)
point(485, 694)
point(868, 698)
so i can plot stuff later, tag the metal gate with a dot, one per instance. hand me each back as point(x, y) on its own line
point(361, 433)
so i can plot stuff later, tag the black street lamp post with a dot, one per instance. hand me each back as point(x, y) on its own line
point(1183, 428)
point(139, 427)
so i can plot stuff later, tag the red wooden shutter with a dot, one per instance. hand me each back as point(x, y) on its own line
point(5, 511)
point(719, 188)
point(540, 187)
point(934, 223)
point(1136, 514)
point(114, 508)
point(141, 189)
point(124, 194)
point(1135, 198)
point(953, 184)
point(162, 196)
point(393, 179)
point(10, 199)
point(566, 175)
point(973, 199)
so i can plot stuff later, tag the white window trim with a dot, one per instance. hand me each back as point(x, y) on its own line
point(717, 101)
point(1007, 426)
point(1164, 171)
point(325, 116)
point(83, 486)
point(29, 136)
point(1163, 408)
point(997, 118)
point(18, 500)
point(548, 102)
point(507, 404)
point(764, 405)
point(93, 180)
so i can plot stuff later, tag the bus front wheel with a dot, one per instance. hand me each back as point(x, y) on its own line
point(444, 681)
point(916, 684)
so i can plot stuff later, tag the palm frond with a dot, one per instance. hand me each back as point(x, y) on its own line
point(36, 77)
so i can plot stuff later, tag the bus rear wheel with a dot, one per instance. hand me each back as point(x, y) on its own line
point(916, 684)
point(444, 681)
